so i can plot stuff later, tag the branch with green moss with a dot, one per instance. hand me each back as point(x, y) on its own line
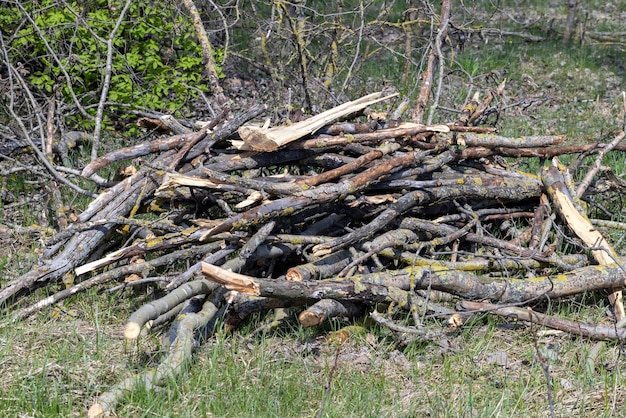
point(179, 354)
point(161, 306)
point(392, 286)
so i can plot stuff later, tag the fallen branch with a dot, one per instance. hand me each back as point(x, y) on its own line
point(326, 309)
point(595, 332)
point(391, 286)
point(160, 306)
point(170, 366)
point(348, 290)
point(602, 251)
point(270, 139)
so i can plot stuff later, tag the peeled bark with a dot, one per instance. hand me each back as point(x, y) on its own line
point(270, 139)
point(602, 251)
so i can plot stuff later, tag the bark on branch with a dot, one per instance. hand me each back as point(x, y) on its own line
point(391, 286)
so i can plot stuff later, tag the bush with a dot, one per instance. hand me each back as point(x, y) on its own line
point(157, 62)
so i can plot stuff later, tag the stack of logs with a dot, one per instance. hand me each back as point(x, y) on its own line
point(335, 219)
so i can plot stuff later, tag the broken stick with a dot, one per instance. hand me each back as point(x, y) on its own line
point(270, 139)
point(579, 223)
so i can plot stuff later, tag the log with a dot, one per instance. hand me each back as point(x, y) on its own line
point(392, 286)
point(160, 306)
point(323, 268)
point(179, 354)
point(325, 309)
point(495, 141)
point(270, 139)
point(349, 290)
point(128, 153)
point(602, 251)
point(578, 328)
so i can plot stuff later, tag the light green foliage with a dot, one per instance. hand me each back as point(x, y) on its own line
point(156, 58)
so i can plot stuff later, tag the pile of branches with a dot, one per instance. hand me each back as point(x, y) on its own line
point(334, 219)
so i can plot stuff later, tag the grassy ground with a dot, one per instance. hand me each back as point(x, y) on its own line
point(55, 364)
point(57, 367)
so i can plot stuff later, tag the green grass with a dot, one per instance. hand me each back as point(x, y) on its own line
point(559, 89)
point(58, 367)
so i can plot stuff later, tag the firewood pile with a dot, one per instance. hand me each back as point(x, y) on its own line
point(335, 216)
